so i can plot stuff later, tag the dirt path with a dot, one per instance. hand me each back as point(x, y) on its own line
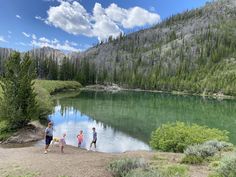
point(31, 162)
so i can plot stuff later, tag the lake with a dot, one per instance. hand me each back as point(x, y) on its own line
point(124, 120)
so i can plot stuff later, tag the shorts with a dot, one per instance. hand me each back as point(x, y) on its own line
point(48, 140)
point(94, 141)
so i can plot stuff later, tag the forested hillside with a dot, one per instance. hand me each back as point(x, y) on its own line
point(194, 51)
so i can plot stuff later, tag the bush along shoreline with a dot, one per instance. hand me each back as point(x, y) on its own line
point(207, 150)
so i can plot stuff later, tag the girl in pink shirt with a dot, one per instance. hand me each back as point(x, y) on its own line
point(80, 138)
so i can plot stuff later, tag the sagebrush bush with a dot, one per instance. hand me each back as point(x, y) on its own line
point(119, 168)
point(227, 167)
point(201, 150)
point(175, 137)
point(192, 159)
point(219, 145)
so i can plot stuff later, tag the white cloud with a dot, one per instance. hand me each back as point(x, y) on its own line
point(18, 16)
point(133, 17)
point(2, 39)
point(56, 44)
point(103, 26)
point(34, 36)
point(9, 32)
point(43, 39)
point(26, 34)
point(73, 18)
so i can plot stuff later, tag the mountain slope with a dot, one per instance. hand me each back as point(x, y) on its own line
point(184, 52)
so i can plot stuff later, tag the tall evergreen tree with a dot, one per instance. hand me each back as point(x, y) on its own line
point(18, 105)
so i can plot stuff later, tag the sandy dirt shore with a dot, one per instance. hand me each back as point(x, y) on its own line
point(32, 162)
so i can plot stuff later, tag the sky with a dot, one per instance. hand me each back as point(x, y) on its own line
point(76, 25)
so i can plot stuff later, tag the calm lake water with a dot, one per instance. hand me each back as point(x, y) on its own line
point(124, 120)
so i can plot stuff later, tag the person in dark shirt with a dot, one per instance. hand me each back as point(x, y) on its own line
point(94, 141)
point(48, 136)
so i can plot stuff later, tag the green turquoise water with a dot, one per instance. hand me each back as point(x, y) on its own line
point(137, 114)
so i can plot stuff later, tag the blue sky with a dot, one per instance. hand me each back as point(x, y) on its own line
point(77, 25)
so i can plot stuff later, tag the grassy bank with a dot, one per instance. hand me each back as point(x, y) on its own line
point(44, 89)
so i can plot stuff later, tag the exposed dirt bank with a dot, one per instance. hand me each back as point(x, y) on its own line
point(30, 133)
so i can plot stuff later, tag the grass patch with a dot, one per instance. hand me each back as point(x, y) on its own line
point(17, 171)
point(44, 90)
point(175, 171)
point(53, 87)
point(165, 171)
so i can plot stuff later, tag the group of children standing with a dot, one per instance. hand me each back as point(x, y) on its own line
point(80, 138)
point(62, 141)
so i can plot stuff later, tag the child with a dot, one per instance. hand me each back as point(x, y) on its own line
point(94, 138)
point(80, 138)
point(62, 142)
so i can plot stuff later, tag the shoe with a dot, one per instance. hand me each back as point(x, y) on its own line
point(45, 152)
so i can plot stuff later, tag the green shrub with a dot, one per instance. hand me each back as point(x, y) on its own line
point(175, 137)
point(227, 167)
point(192, 159)
point(120, 168)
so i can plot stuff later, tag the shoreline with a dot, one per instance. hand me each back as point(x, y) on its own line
point(109, 88)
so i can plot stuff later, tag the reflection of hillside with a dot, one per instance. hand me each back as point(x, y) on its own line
point(139, 113)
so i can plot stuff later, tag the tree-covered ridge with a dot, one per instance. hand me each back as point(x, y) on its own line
point(182, 53)
point(193, 51)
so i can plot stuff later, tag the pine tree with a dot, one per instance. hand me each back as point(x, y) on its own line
point(18, 105)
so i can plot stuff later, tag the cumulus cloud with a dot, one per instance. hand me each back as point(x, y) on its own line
point(103, 26)
point(26, 34)
point(2, 39)
point(18, 16)
point(55, 43)
point(133, 17)
point(73, 18)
